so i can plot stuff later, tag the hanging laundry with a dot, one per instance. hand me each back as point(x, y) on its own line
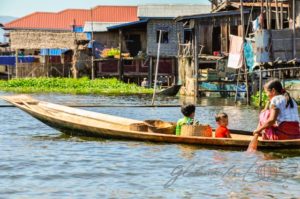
point(263, 46)
point(235, 59)
point(255, 25)
point(249, 55)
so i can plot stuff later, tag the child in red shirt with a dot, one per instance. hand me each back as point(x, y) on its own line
point(222, 130)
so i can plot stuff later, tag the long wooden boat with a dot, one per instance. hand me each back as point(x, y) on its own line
point(171, 91)
point(75, 121)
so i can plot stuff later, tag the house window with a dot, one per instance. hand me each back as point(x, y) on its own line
point(164, 37)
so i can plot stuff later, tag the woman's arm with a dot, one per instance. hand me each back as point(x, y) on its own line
point(270, 122)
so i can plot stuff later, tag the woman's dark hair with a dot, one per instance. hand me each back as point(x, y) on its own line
point(188, 109)
point(276, 84)
point(220, 116)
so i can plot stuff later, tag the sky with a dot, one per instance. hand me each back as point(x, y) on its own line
point(20, 8)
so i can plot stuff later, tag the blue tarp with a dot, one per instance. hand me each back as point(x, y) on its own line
point(89, 36)
point(52, 52)
point(78, 29)
point(226, 87)
point(11, 60)
point(98, 48)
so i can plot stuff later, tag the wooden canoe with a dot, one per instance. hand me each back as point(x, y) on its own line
point(171, 91)
point(75, 121)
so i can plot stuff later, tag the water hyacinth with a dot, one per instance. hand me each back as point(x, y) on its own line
point(73, 86)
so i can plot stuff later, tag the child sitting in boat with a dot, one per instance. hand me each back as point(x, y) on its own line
point(280, 121)
point(189, 113)
point(222, 130)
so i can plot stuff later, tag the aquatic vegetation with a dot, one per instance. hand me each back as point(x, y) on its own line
point(255, 99)
point(83, 85)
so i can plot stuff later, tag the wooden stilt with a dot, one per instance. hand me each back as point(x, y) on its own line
point(244, 61)
point(281, 16)
point(150, 72)
point(294, 29)
point(267, 14)
point(92, 35)
point(270, 14)
point(120, 67)
point(74, 63)
point(277, 16)
point(17, 61)
point(196, 60)
point(260, 87)
point(237, 84)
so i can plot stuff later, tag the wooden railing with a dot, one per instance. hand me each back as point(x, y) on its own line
point(185, 50)
point(43, 70)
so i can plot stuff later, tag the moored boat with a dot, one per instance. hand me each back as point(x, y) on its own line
point(170, 91)
point(75, 121)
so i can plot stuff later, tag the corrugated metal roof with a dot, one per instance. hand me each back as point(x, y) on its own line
point(128, 25)
point(171, 10)
point(210, 15)
point(65, 19)
point(99, 26)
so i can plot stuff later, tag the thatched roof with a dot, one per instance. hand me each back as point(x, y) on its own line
point(25, 39)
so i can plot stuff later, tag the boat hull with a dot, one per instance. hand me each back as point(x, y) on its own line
point(79, 122)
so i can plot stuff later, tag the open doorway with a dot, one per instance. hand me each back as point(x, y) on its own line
point(216, 41)
point(133, 44)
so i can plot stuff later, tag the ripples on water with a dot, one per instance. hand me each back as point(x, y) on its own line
point(40, 162)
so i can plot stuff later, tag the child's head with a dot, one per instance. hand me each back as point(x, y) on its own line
point(188, 110)
point(222, 119)
point(273, 88)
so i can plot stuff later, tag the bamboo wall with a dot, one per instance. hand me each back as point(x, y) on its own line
point(108, 39)
point(25, 39)
point(43, 70)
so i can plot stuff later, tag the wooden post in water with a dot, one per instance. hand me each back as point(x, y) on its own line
point(17, 61)
point(156, 67)
point(237, 84)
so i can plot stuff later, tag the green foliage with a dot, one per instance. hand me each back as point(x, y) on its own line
point(73, 86)
point(255, 99)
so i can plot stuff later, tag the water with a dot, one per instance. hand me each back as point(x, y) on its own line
point(40, 162)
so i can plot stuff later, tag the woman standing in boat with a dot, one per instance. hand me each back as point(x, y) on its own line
point(282, 118)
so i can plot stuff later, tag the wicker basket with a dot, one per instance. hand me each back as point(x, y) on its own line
point(159, 126)
point(196, 130)
point(138, 127)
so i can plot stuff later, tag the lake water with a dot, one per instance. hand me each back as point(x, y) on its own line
point(40, 162)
